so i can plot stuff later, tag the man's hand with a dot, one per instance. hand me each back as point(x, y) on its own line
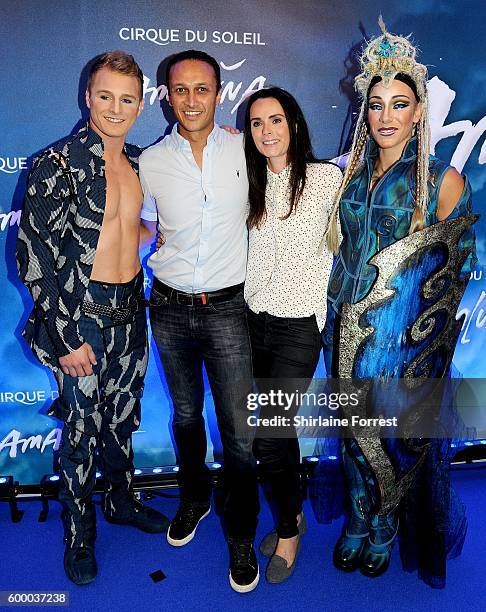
point(79, 362)
point(160, 239)
point(231, 130)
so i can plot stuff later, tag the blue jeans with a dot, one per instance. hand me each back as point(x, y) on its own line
point(216, 335)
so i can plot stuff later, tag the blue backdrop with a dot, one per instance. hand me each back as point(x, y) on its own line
point(308, 48)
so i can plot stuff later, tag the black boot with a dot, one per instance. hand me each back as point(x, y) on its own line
point(350, 546)
point(377, 551)
point(79, 536)
point(133, 513)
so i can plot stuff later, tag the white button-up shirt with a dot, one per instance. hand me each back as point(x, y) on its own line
point(202, 214)
point(286, 276)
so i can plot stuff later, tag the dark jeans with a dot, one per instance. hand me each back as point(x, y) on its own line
point(283, 348)
point(215, 335)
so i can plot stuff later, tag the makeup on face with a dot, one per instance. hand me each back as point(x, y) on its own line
point(392, 114)
point(114, 103)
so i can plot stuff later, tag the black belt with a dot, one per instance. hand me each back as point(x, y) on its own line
point(120, 314)
point(197, 299)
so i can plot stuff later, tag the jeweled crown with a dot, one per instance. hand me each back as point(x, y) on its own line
point(386, 56)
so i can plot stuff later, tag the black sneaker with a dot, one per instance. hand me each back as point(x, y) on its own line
point(244, 571)
point(140, 516)
point(183, 527)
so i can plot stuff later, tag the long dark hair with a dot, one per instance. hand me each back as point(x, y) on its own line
point(298, 155)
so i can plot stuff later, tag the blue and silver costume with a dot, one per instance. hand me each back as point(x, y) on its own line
point(432, 520)
point(372, 221)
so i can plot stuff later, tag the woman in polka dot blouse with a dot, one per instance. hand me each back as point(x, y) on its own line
point(291, 197)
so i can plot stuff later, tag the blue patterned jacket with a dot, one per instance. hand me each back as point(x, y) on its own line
point(58, 235)
point(372, 221)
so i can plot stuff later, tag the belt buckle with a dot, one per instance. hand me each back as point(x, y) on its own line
point(190, 299)
point(184, 299)
point(201, 298)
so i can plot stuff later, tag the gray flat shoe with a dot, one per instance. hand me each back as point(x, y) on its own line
point(277, 570)
point(269, 543)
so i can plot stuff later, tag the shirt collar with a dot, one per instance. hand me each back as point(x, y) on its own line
point(91, 140)
point(278, 177)
point(182, 143)
point(94, 143)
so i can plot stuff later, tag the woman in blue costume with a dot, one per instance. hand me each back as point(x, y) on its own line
point(392, 188)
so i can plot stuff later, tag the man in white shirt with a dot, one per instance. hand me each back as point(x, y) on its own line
point(196, 189)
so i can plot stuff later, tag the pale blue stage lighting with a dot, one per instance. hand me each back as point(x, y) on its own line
point(3, 480)
point(54, 478)
point(157, 470)
point(137, 472)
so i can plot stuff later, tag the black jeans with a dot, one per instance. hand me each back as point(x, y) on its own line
point(283, 348)
point(215, 335)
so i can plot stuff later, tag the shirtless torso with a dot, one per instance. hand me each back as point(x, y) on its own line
point(117, 259)
point(114, 101)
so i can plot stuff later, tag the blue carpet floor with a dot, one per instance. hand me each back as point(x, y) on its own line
point(197, 575)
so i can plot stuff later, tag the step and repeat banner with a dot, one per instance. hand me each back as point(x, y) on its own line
point(307, 47)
